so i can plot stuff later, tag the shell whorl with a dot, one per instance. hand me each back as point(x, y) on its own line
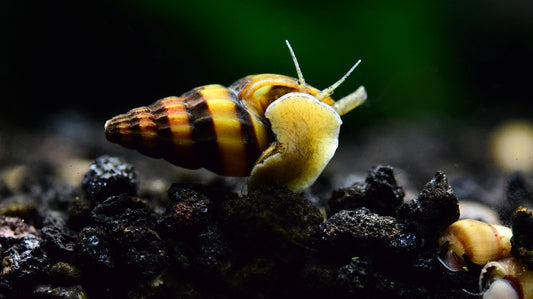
point(259, 91)
point(205, 127)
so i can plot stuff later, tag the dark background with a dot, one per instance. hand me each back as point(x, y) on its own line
point(457, 60)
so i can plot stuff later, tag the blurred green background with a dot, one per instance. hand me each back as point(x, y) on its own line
point(460, 60)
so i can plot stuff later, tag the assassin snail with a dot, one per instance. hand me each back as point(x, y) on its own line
point(272, 127)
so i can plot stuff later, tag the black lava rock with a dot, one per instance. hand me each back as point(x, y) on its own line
point(351, 280)
point(49, 291)
point(380, 193)
point(213, 253)
point(109, 176)
point(130, 227)
point(141, 254)
point(121, 244)
point(59, 240)
point(24, 261)
point(435, 208)
point(94, 251)
point(522, 240)
point(267, 218)
point(118, 212)
point(353, 232)
point(187, 212)
point(354, 277)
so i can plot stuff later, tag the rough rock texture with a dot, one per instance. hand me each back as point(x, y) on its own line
point(205, 240)
point(353, 232)
point(59, 239)
point(188, 210)
point(379, 193)
point(269, 213)
point(435, 208)
point(122, 245)
point(109, 176)
point(24, 260)
point(522, 242)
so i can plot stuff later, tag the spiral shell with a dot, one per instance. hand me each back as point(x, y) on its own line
point(205, 127)
point(506, 278)
point(474, 241)
point(274, 127)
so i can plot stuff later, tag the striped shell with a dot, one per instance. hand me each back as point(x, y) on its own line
point(229, 130)
point(218, 128)
point(474, 241)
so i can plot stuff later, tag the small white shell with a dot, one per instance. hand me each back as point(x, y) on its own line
point(474, 210)
point(506, 278)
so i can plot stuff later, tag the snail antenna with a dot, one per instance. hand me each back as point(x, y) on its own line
point(329, 91)
point(301, 81)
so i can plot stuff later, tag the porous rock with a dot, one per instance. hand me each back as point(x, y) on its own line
point(268, 217)
point(59, 240)
point(122, 244)
point(94, 251)
point(24, 260)
point(49, 291)
point(360, 231)
point(129, 225)
point(188, 211)
point(435, 208)
point(109, 176)
point(380, 193)
point(213, 253)
point(522, 239)
point(351, 280)
point(354, 277)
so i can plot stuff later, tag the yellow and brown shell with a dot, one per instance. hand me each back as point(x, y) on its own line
point(274, 127)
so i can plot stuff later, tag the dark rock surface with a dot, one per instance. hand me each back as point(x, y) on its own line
point(379, 192)
point(522, 242)
point(435, 208)
point(109, 176)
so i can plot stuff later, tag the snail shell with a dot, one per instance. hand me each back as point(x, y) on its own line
point(274, 127)
point(475, 241)
point(506, 278)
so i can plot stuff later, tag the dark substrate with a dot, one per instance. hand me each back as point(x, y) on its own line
point(106, 241)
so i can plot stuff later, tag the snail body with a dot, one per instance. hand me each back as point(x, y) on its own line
point(506, 278)
point(475, 241)
point(274, 127)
